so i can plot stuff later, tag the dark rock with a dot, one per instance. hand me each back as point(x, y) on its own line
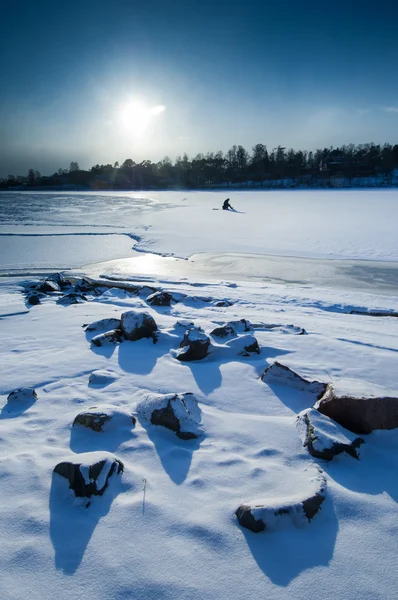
point(374, 313)
point(247, 520)
point(278, 374)
point(178, 412)
point(48, 286)
point(194, 346)
point(90, 473)
point(114, 336)
point(323, 437)
point(224, 331)
point(220, 303)
point(160, 299)
point(138, 325)
point(360, 413)
point(34, 299)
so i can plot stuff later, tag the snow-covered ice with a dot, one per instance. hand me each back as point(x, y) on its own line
point(165, 528)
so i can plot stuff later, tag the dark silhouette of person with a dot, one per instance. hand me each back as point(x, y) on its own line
point(227, 205)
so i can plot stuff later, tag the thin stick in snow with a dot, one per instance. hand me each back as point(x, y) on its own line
point(143, 496)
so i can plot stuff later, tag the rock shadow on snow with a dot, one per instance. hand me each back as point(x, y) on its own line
point(174, 454)
point(284, 554)
point(72, 525)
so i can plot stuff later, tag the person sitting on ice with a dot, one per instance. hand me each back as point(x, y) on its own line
point(227, 205)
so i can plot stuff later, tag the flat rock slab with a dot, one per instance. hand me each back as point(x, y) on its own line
point(88, 474)
point(104, 417)
point(323, 437)
point(296, 498)
point(178, 412)
point(359, 406)
point(137, 325)
point(278, 374)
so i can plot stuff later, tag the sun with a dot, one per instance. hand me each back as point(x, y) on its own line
point(136, 117)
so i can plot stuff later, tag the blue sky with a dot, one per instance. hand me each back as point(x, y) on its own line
point(301, 74)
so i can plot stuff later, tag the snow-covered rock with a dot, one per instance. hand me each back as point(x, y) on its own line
point(178, 412)
point(280, 328)
point(244, 345)
point(305, 492)
point(278, 374)
point(89, 473)
point(114, 336)
point(22, 397)
point(323, 437)
point(359, 406)
point(137, 325)
point(224, 331)
point(104, 417)
point(194, 345)
point(241, 326)
point(102, 377)
point(160, 299)
point(104, 325)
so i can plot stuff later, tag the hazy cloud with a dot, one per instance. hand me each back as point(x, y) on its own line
point(390, 109)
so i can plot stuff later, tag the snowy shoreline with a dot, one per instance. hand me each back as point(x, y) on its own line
point(166, 527)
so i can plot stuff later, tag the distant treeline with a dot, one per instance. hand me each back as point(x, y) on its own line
point(279, 167)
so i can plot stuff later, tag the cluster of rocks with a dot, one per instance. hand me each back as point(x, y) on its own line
point(132, 326)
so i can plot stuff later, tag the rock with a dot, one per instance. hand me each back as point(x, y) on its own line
point(114, 336)
point(102, 377)
point(89, 473)
point(105, 417)
point(299, 508)
point(287, 329)
point(48, 286)
point(250, 345)
point(137, 325)
point(178, 412)
point(374, 313)
point(359, 406)
point(34, 299)
point(324, 438)
point(224, 331)
point(278, 374)
point(22, 397)
point(194, 346)
point(241, 326)
point(104, 325)
point(244, 345)
point(220, 303)
point(72, 298)
point(160, 299)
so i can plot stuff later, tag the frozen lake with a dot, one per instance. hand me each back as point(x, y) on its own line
point(331, 238)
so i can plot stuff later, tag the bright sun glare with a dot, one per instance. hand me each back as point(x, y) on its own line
point(136, 117)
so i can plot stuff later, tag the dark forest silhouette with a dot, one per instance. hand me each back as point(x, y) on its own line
point(362, 164)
